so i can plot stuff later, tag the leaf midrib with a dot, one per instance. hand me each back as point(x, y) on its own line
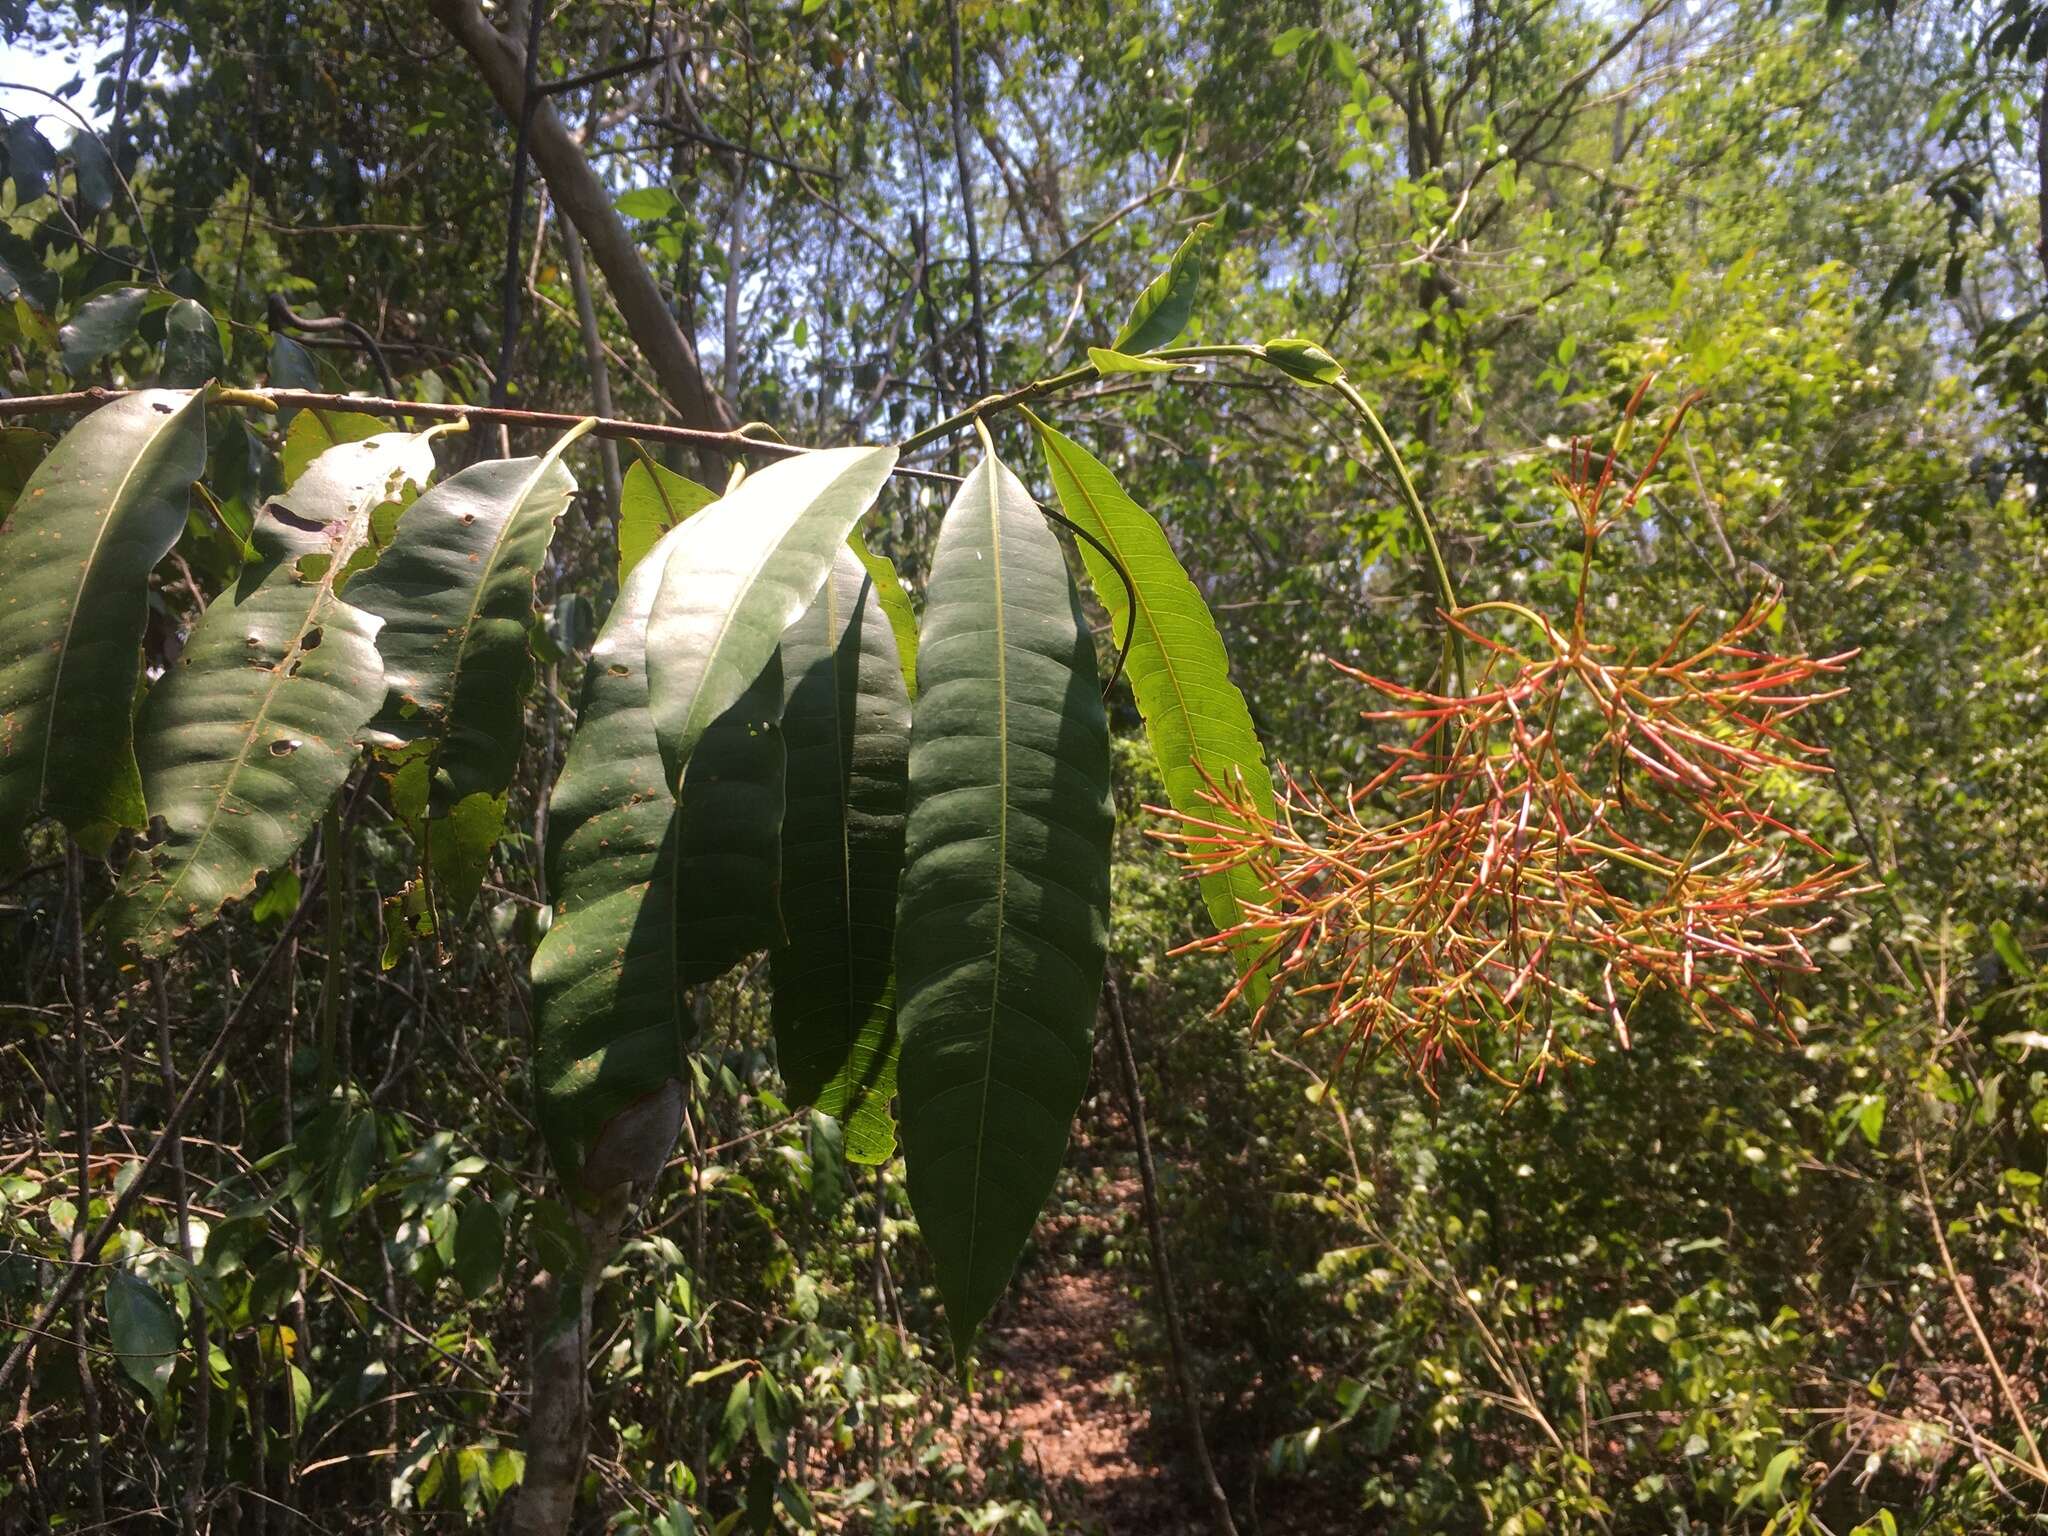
point(324, 593)
point(995, 539)
point(1166, 658)
point(164, 424)
point(546, 462)
point(842, 754)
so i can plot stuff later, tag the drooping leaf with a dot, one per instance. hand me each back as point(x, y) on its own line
point(608, 1016)
point(247, 737)
point(729, 841)
point(1004, 915)
point(99, 512)
point(888, 591)
point(756, 558)
point(653, 500)
point(102, 324)
point(455, 592)
point(94, 168)
point(1162, 310)
point(291, 366)
point(846, 719)
point(1195, 718)
point(146, 1333)
point(30, 160)
point(479, 1247)
point(192, 350)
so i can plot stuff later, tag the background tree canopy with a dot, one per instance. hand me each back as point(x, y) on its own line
point(483, 1034)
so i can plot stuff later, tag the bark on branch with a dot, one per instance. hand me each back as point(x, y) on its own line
point(583, 199)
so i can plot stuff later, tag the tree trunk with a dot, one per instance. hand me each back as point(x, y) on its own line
point(558, 1402)
point(584, 202)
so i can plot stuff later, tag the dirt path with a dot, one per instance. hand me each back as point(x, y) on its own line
point(1056, 1374)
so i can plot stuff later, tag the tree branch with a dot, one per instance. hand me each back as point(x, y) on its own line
point(732, 441)
point(585, 202)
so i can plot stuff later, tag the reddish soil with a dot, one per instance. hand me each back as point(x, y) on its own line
point(1056, 1376)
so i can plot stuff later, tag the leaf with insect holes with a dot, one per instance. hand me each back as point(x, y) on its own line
point(105, 505)
point(455, 592)
point(252, 731)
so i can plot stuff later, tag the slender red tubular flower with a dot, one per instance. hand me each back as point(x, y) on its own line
point(1579, 829)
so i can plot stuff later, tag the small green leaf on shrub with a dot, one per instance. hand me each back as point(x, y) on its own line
point(192, 350)
point(647, 203)
point(146, 1333)
point(102, 324)
point(479, 1247)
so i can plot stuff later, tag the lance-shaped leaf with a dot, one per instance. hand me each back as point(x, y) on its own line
point(846, 719)
point(94, 519)
point(607, 1000)
point(455, 592)
point(888, 591)
point(252, 731)
point(1004, 915)
point(653, 500)
point(729, 841)
point(755, 559)
point(1195, 718)
point(1163, 309)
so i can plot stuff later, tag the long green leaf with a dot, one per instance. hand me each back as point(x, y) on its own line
point(607, 999)
point(1162, 311)
point(1004, 916)
point(729, 841)
point(755, 560)
point(895, 605)
point(247, 737)
point(455, 592)
point(846, 719)
point(94, 519)
point(1195, 718)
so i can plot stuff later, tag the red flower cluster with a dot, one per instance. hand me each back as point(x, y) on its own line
point(1574, 830)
